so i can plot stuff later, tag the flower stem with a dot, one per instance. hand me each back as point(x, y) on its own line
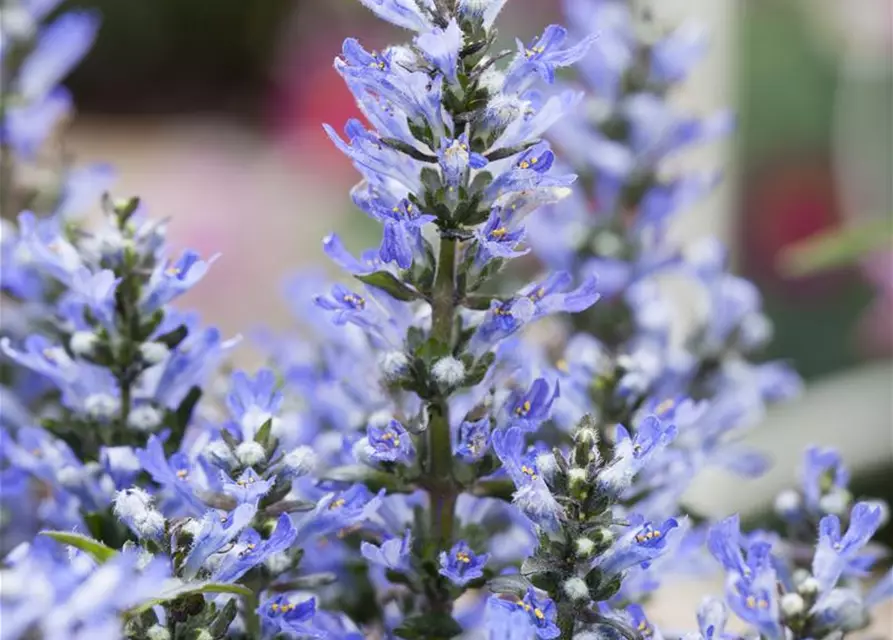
point(442, 488)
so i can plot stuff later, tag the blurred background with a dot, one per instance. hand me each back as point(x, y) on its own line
point(212, 110)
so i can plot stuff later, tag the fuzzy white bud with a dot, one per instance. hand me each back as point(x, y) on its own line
point(157, 632)
point(250, 453)
point(836, 503)
point(584, 547)
point(393, 364)
point(808, 587)
point(278, 562)
point(787, 502)
point(219, 453)
point(144, 418)
point(576, 589)
point(204, 634)
point(577, 476)
point(300, 461)
point(101, 405)
point(154, 352)
point(448, 372)
point(135, 507)
point(83, 343)
point(792, 605)
point(191, 527)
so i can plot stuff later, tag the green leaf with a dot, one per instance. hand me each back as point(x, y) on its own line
point(432, 350)
point(172, 339)
point(838, 248)
point(372, 478)
point(223, 620)
point(94, 548)
point(389, 283)
point(191, 588)
point(429, 626)
point(476, 373)
point(263, 434)
point(408, 149)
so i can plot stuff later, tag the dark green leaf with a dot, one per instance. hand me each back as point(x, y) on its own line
point(408, 149)
point(223, 620)
point(188, 589)
point(389, 283)
point(172, 339)
point(94, 548)
point(429, 626)
point(502, 489)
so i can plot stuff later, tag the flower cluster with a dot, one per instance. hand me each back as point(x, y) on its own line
point(426, 464)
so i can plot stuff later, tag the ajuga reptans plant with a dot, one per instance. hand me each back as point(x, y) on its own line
point(448, 454)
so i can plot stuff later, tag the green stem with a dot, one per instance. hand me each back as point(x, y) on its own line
point(442, 488)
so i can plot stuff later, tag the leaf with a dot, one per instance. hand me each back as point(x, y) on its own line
point(94, 548)
point(533, 566)
point(191, 588)
point(172, 339)
point(838, 248)
point(477, 373)
point(408, 149)
point(389, 283)
point(372, 478)
point(289, 506)
point(429, 626)
point(263, 433)
point(223, 620)
point(624, 631)
point(479, 302)
point(502, 489)
point(515, 584)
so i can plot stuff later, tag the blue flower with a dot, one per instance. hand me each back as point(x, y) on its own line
point(712, 617)
point(441, 49)
point(28, 125)
point(249, 487)
point(174, 474)
point(122, 465)
point(376, 161)
point(215, 533)
point(837, 554)
point(335, 249)
point(172, 280)
point(673, 57)
point(342, 509)
point(530, 409)
point(402, 236)
point(631, 454)
point(393, 553)
point(823, 472)
point(456, 158)
point(60, 46)
point(540, 612)
point(533, 496)
point(642, 544)
point(253, 401)
point(543, 57)
point(497, 239)
point(526, 175)
point(251, 550)
point(409, 14)
point(641, 624)
point(347, 305)
point(391, 443)
point(461, 565)
point(96, 291)
point(280, 616)
point(473, 439)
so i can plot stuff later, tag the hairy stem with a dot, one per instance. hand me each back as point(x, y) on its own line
point(442, 489)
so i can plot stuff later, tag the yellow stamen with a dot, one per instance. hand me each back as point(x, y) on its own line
point(337, 504)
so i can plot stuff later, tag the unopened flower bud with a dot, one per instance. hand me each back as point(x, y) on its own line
point(448, 372)
point(836, 503)
point(135, 507)
point(250, 453)
point(154, 352)
point(787, 502)
point(576, 589)
point(299, 461)
point(808, 587)
point(102, 405)
point(83, 343)
point(584, 547)
point(144, 417)
point(393, 364)
point(792, 605)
